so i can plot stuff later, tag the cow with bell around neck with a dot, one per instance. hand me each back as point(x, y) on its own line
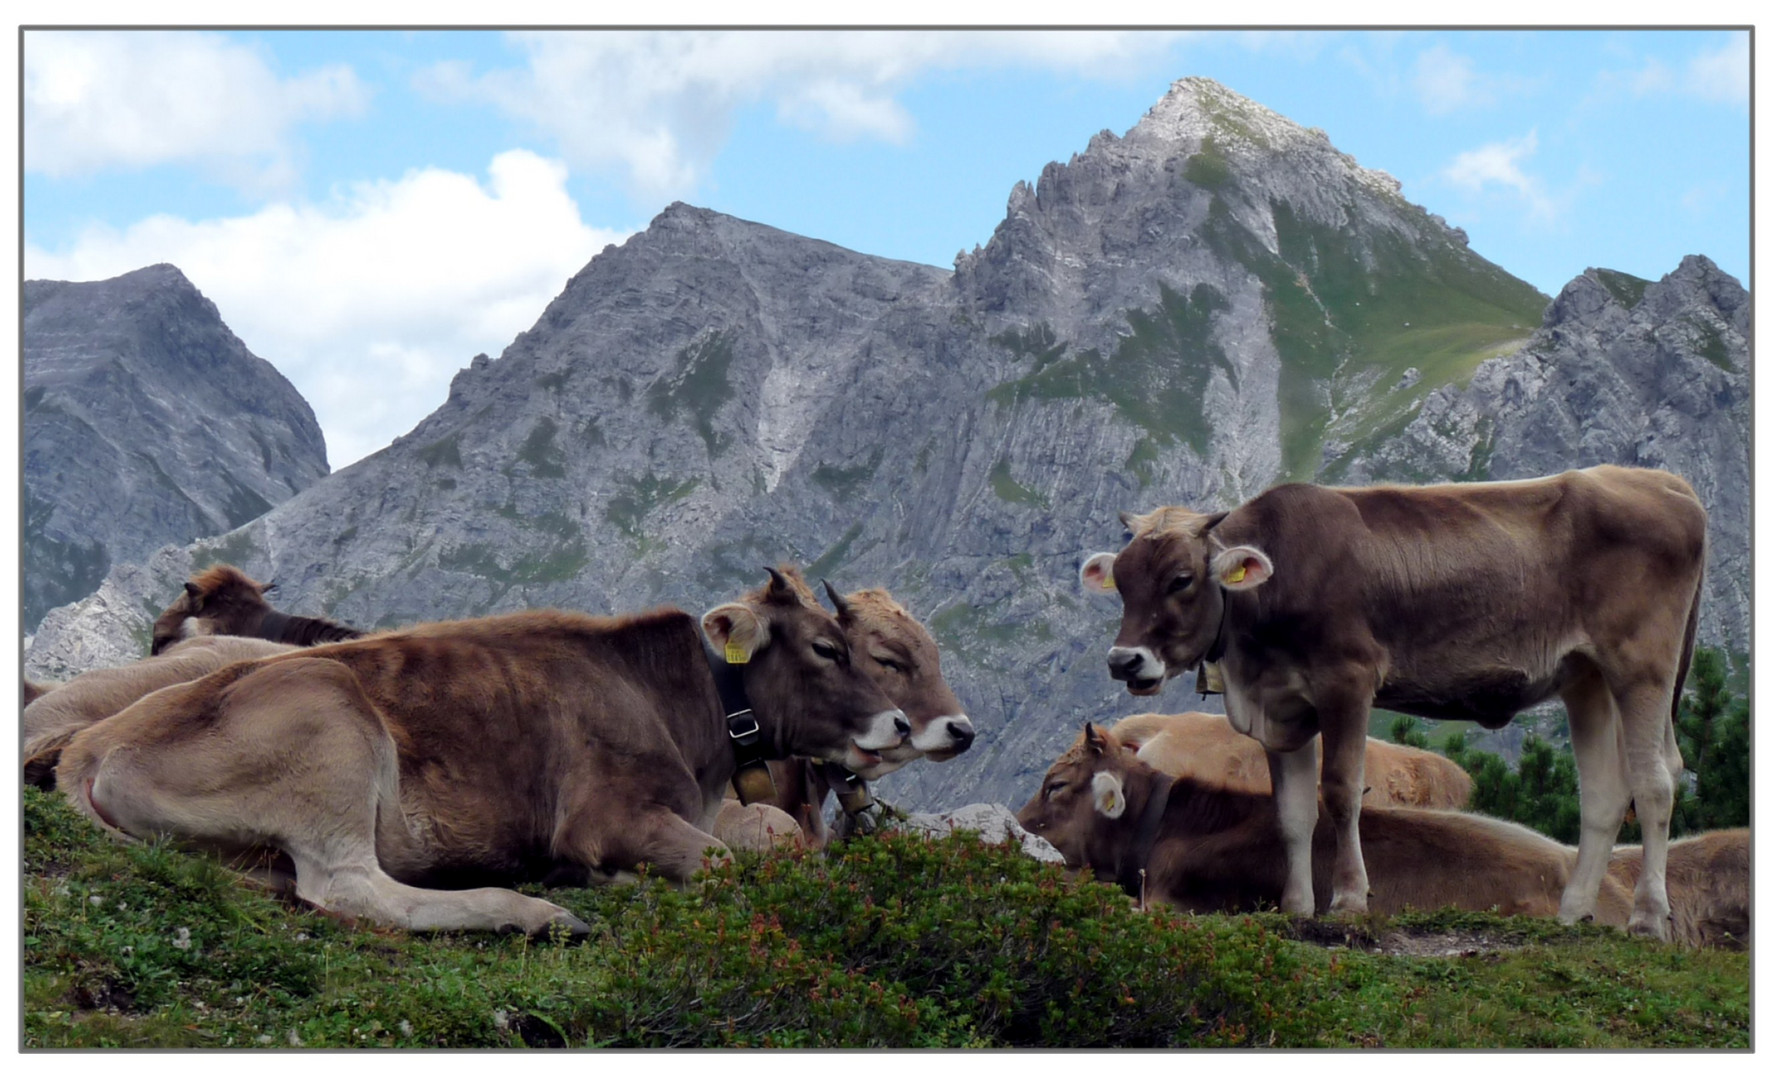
point(1452, 601)
point(899, 655)
point(396, 770)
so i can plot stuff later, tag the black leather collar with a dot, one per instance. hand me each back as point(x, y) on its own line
point(1134, 858)
point(752, 780)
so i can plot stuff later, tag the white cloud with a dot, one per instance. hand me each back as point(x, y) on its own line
point(656, 106)
point(1446, 81)
point(370, 303)
point(96, 100)
point(1499, 165)
point(1724, 74)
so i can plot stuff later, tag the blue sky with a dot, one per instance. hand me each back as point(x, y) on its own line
point(369, 209)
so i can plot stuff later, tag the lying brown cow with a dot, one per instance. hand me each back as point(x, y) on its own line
point(487, 749)
point(1709, 878)
point(53, 719)
point(900, 655)
point(1455, 601)
point(221, 600)
point(1203, 747)
point(1205, 848)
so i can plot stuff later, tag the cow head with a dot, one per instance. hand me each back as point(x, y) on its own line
point(810, 697)
point(1174, 578)
point(902, 658)
point(218, 600)
point(1081, 804)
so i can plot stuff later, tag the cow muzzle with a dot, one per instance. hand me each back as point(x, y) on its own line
point(945, 737)
point(1138, 668)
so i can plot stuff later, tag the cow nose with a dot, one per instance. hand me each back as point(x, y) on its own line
point(962, 734)
point(902, 727)
point(1125, 663)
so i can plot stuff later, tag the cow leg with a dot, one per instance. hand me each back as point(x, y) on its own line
point(1293, 792)
point(1343, 735)
point(1604, 790)
point(651, 834)
point(296, 759)
point(1654, 771)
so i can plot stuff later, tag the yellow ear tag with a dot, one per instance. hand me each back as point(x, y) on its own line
point(1236, 575)
point(1108, 582)
point(736, 653)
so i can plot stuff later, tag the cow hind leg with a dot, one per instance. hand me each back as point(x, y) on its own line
point(1604, 790)
point(1654, 771)
point(1293, 790)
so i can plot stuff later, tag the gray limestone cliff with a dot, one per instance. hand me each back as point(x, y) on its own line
point(1214, 302)
point(146, 423)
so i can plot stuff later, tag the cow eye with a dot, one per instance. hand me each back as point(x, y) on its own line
point(1052, 787)
point(892, 665)
point(827, 651)
point(1180, 583)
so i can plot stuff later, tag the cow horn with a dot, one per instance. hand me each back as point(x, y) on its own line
point(192, 590)
point(842, 608)
point(268, 587)
point(781, 589)
point(1211, 522)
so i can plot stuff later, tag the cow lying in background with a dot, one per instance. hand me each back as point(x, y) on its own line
point(220, 600)
point(49, 722)
point(1203, 747)
point(1208, 849)
point(898, 653)
point(500, 748)
point(1709, 878)
point(32, 689)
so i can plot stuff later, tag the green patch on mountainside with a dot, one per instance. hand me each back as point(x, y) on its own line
point(539, 451)
point(640, 496)
point(1010, 490)
point(844, 483)
point(1155, 377)
point(698, 385)
point(1627, 289)
point(1358, 310)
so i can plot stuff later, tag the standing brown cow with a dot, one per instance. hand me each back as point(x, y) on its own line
point(499, 748)
point(1453, 601)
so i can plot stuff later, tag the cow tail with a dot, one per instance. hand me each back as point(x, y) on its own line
point(1690, 643)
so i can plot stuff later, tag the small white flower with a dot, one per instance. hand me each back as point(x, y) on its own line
point(294, 1041)
point(129, 950)
point(95, 898)
point(406, 1027)
point(302, 937)
point(182, 938)
point(500, 1019)
point(121, 906)
point(265, 1040)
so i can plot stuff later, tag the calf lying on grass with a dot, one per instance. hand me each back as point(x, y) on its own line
point(1205, 747)
point(1199, 847)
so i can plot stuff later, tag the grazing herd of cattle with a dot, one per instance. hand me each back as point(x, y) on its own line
point(410, 777)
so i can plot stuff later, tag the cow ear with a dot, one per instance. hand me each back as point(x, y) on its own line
point(736, 631)
point(1095, 573)
point(1107, 794)
point(1241, 567)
